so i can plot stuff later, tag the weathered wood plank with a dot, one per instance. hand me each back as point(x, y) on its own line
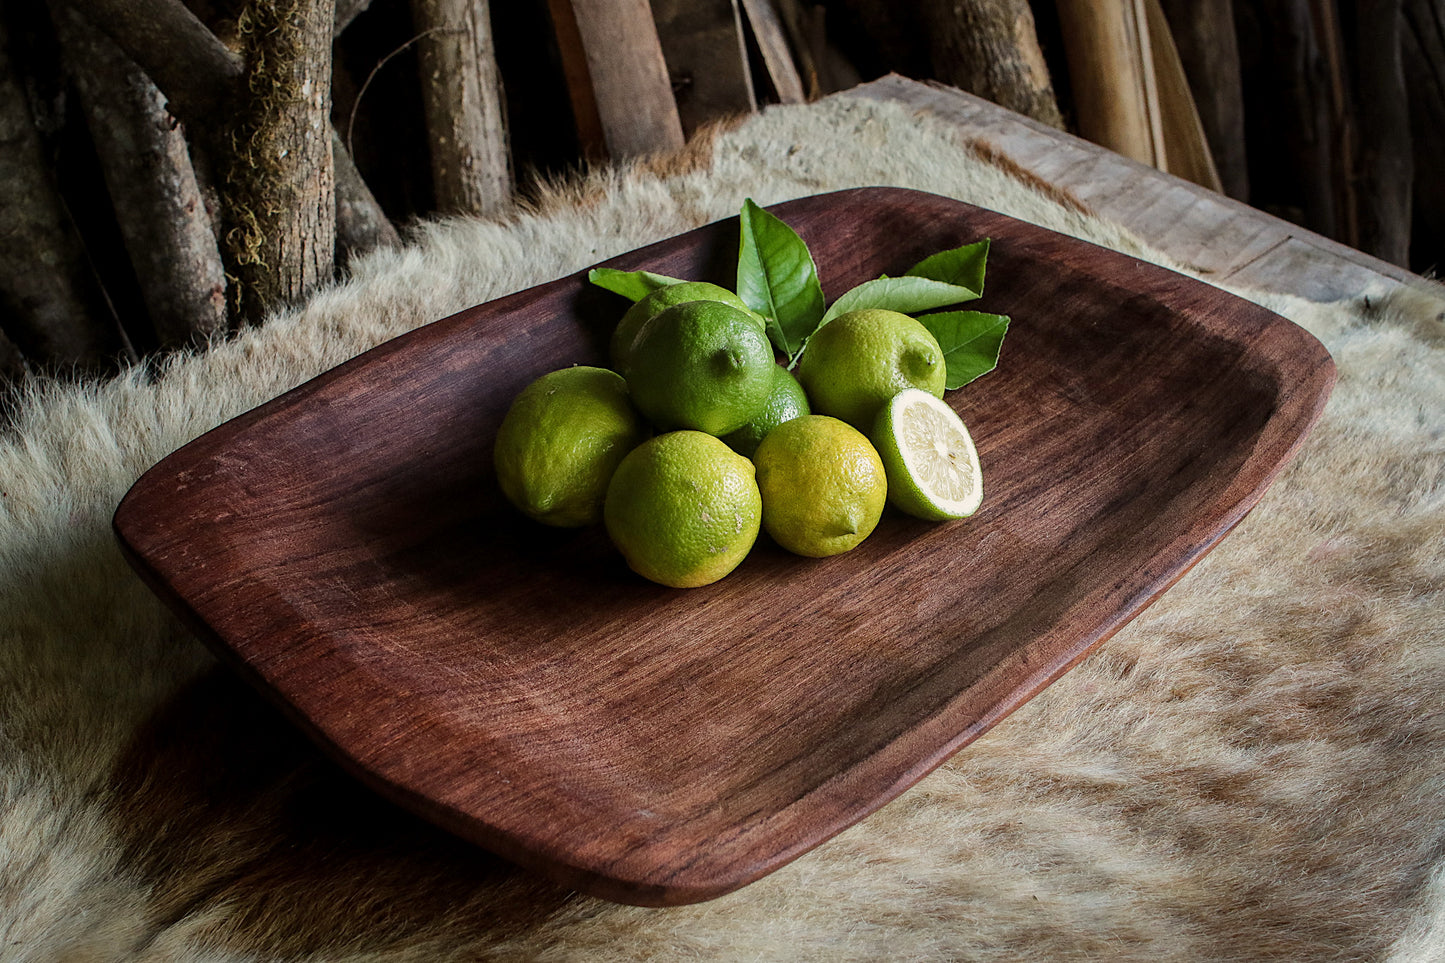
point(707, 59)
point(1116, 94)
point(773, 44)
point(1186, 151)
point(1209, 232)
point(617, 76)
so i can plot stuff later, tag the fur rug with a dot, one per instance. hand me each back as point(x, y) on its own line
point(1251, 770)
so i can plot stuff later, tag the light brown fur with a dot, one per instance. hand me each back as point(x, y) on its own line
point(1251, 770)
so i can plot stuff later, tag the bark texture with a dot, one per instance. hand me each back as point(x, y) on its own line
point(143, 155)
point(991, 48)
point(462, 92)
point(280, 193)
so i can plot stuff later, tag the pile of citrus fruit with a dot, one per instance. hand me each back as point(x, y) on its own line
point(698, 437)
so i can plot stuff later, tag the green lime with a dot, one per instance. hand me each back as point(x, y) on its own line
point(786, 401)
point(853, 364)
point(560, 441)
point(823, 485)
point(932, 464)
point(624, 338)
point(703, 365)
point(683, 508)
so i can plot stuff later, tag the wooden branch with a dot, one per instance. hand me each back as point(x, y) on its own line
point(707, 59)
point(621, 95)
point(1386, 170)
point(1208, 47)
point(360, 224)
point(462, 94)
point(347, 11)
point(1112, 71)
point(198, 74)
point(49, 300)
point(201, 78)
point(147, 168)
point(281, 202)
point(991, 48)
point(1186, 151)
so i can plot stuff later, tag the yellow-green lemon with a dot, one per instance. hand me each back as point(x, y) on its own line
point(702, 365)
point(683, 508)
point(932, 464)
point(624, 337)
point(823, 485)
point(560, 441)
point(855, 363)
point(786, 401)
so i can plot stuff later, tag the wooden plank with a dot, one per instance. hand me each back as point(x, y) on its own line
point(615, 71)
point(1185, 148)
point(772, 42)
point(1208, 46)
point(1116, 95)
point(1213, 234)
point(707, 59)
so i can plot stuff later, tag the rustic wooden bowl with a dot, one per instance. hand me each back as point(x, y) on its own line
point(346, 548)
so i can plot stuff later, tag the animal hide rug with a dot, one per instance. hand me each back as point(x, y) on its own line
point(1251, 770)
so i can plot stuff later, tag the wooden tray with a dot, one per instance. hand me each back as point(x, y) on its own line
point(346, 548)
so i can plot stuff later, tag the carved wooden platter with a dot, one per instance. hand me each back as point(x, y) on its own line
point(346, 548)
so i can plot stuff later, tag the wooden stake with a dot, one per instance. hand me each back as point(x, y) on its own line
point(360, 224)
point(462, 92)
point(280, 203)
point(202, 80)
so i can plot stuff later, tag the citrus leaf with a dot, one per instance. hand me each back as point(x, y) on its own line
point(970, 341)
point(907, 295)
point(634, 285)
point(777, 278)
point(963, 266)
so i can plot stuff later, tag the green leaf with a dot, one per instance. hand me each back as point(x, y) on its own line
point(970, 341)
point(907, 295)
point(777, 278)
point(962, 266)
point(634, 285)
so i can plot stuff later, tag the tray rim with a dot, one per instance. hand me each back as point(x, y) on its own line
point(1314, 387)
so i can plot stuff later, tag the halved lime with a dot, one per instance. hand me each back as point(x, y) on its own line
point(931, 462)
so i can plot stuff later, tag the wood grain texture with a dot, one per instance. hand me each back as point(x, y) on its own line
point(707, 59)
point(1186, 151)
point(616, 76)
point(772, 42)
point(1111, 69)
point(1215, 235)
point(346, 548)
